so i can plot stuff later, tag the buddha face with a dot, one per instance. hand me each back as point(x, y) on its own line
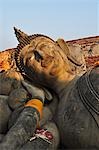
point(44, 59)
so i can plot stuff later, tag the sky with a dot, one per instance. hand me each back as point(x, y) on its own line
point(67, 19)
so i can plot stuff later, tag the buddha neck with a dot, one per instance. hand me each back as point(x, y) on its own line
point(62, 80)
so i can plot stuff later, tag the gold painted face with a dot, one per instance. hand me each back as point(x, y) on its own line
point(43, 61)
point(43, 56)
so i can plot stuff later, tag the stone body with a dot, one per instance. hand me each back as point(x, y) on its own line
point(49, 64)
point(5, 113)
point(53, 70)
point(14, 117)
point(12, 95)
point(78, 112)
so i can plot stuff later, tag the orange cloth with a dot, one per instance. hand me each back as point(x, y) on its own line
point(35, 103)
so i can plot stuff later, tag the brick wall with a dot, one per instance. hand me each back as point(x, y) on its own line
point(90, 48)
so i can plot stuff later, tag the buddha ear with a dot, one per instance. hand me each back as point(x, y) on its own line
point(63, 45)
point(68, 52)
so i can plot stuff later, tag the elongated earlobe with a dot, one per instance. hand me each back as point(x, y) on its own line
point(63, 45)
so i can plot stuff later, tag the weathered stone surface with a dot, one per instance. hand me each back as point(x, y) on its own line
point(5, 113)
point(9, 80)
point(49, 66)
point(78, 112)
point(17, 97)
point(39, 143)
point(21, 131)
point(1, 137)
point(15, 93)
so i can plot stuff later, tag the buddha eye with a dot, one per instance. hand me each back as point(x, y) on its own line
point(38, 56)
